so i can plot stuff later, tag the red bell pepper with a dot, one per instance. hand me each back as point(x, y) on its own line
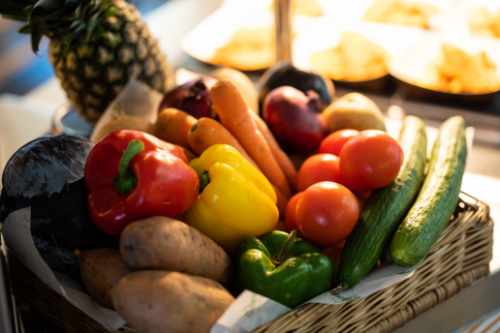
point(132, 175)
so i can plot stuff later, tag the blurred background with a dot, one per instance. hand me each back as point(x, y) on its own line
point(192, 34)
point(20, 69)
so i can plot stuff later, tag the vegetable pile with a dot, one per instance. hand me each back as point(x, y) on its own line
point(171, 225)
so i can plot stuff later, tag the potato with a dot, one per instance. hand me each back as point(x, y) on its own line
point(354, 111)
point(166, 244)
point(100, 270)
point(158, 301)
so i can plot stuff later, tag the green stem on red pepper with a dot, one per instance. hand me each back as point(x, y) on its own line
point(126, 181)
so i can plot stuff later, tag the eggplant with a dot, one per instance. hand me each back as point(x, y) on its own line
point(47, 174)
point(285, 74)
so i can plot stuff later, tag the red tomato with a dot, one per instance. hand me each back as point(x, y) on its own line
point(327, 213)
point(291, 212)
point(333, 143)
point(370, 161)
point(318, 168)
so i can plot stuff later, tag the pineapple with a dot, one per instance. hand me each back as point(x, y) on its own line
point(95, 46)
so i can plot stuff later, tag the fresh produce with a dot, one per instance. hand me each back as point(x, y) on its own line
point(163, 243)
point(318, 168)
point(291, 222)
point(192, 97)
point(370, 160)
point(334, 253)
point(41, 168)
point(293, 118)
point(281, 157)
point(173, 126)
point(156, 301)
point(385, 210)
point(281, 201)
point(284, 268)
point(157, 226)
point(47, 175)
point(207, 132)
point(285, 74)
point(237, 117)
point(326, 213)
point(236, 201)
point(100, 270)
point(334, 142)
point(95, 47)
point(131, 175)
point(242, 82)
point(353, 111)
point(437, 199)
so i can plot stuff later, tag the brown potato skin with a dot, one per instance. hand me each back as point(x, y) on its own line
point(166, 244)
point(100, 270)
point(160, 301)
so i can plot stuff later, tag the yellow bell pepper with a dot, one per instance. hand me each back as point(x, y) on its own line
point(237, 201)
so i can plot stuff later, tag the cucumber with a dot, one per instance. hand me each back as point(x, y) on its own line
point(438, 198)
point(386, 208)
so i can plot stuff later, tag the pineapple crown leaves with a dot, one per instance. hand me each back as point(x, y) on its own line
point(67, 20)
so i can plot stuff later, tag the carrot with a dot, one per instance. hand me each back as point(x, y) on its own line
point(281, 203)
point(284, 162)
point(173, 126)
point(207, 132)
point(236, 116)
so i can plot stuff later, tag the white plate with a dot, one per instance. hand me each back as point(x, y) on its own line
point(414, 65)
point(216, 30)
point(325, 35)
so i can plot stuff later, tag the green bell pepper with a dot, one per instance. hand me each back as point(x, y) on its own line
point(284, 268)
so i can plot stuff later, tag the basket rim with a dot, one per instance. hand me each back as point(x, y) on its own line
point(467, 203)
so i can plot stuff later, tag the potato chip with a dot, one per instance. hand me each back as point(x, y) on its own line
point(402, 12)
point(460, 72)
point(355, 59)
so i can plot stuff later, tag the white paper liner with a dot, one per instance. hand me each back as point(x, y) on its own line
point(136, 108)
point(17, 234)
point(251, 310)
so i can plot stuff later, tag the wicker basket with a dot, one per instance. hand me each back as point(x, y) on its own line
point(460, 257)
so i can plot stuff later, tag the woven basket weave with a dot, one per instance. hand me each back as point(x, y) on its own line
point(460, 257)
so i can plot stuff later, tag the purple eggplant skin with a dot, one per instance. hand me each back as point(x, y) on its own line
point(285, 74)
point(46, 174)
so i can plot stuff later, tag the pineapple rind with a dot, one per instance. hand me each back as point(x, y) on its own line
point(93, 72)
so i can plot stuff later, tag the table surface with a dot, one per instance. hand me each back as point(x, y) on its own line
point(175, 19)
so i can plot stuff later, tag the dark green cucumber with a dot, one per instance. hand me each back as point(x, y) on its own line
point(438, 198)
point(386, 208)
